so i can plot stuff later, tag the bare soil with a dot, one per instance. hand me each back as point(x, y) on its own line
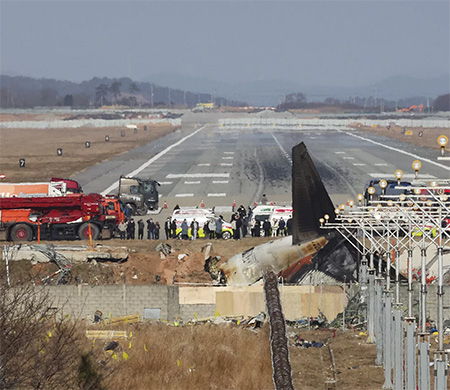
point(39, 148)
point(144, 264)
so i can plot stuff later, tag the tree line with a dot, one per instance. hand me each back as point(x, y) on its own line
point(297, 100)
point(27, 92)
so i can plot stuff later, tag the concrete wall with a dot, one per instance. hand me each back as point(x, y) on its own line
point(431, 299)
point(201, 302)
point(249, 301)
point(119, 300)
point(192, 302)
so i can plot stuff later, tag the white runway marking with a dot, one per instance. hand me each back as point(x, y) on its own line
point(195, 175)
point(348, 158)
point(359, 165)
point(204, 165)
point(226, 165)
point(220, 181)
point(286, 154)
point(228, 152)
point(380, 165)
point(152, 160)
point(390, 176)
point(183, 195)
point(227, 158)
point(165, 183)
point(221, 194)
point(192, 182)
point(339, 152)
point(415, 156)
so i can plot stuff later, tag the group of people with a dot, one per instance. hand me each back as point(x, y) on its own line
point(212, 228)
point(127, 229)
point(274, 228)
point(241, 222)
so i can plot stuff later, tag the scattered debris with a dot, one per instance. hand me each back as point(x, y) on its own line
point(258, 321)
point(164, 249)
point(41, 253)
point(307, 344)
point(181, 256)
point(211, 266)
point(106, 334)
point(112, 346)
point(98, 316)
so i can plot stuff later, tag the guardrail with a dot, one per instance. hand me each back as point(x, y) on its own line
point(298, 123)
point(83, 123)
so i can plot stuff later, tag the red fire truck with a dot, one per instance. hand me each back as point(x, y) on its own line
point(55, 218)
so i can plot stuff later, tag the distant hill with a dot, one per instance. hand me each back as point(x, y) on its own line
point(272, 92)
point(27, 92)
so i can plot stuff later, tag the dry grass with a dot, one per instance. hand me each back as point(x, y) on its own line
point(428, 139)
point(39, 148)
point(198, 357)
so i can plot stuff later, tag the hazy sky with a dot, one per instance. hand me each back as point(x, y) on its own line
point(313, 42)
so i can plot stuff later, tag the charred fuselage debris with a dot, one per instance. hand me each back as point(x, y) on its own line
point(281, 365)
point(213, 269)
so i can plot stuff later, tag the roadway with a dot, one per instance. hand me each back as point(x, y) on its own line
point(218, 165)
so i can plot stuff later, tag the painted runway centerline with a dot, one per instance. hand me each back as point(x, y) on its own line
point(195, 175)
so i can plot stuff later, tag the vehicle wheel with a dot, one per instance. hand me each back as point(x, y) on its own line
point(21, 232)
point(83, 231)
point(226, 235)
point(141, 211)
point(133, 208)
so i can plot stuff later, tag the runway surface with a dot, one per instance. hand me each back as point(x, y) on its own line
point(220, 166)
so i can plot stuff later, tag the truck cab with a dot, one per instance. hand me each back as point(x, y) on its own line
point(138, 194)
point(113, 209)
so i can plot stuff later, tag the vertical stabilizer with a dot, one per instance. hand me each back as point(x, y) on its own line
point(310, 199)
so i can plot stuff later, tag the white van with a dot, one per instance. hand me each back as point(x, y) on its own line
point(201, 216)
point(261, 213)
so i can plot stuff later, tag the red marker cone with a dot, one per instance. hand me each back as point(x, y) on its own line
point(165, 204)
point(256, 203)
point(202, 204)
point(271, 203)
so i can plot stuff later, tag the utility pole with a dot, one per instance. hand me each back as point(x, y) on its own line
point(169, 98)
point(151, 96)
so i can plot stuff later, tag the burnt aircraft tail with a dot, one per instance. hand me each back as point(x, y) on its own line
point(309, 196)
point(310, 203)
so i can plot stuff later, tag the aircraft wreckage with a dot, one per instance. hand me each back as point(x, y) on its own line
point(309, 247)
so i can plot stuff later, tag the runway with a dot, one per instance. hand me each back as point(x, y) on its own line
point(220, 166)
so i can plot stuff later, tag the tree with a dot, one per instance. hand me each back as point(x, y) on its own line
point(115, 89)
point(48, 97)
point(442, 103)
point(40, 347)
point(293, 101)
point(101, 93)
point(134, 87)
point(295, 98)
point(68, 100)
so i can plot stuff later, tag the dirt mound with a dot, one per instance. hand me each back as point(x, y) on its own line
point(145, 265)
